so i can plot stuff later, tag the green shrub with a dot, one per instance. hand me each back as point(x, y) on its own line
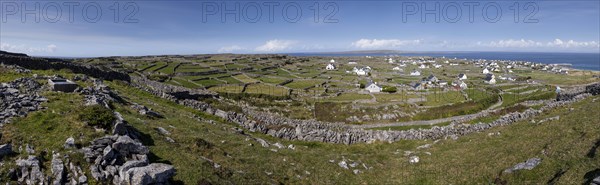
point(157, 77)
point(97, 116)
point(389, 89)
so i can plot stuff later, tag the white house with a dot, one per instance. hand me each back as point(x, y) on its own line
point(415, 73)
point(490, 79)
point(485, 71)
point(460, 84)
point(330, 67)
point(442, 83)
point(432, 79)
point(462, 76)
point(390, 60)
point(352, 63)
point(396, 68)
point(361, 72)
point(332, 61)
point(437, 66)
point(373, 88)
point(418, 86)
point(423, 66)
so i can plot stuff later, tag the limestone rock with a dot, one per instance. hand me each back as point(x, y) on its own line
point(5, 149)
point(163, 131)
point(70, 143)
point(528, 165)
point(58, 170)
point(413, 159)
point(127, 146)
point(156, 173)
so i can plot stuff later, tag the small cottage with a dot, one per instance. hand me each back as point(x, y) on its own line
point(373, 88)
point(415, 73)
point(330, 67)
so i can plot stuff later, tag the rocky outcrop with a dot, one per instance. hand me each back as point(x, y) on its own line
point(5, 150)
point(29, 171)
point(18, 98)
point(122, 160)
point(527, 165)
point(59, 172)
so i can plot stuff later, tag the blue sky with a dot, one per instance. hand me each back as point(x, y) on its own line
point(195, 27)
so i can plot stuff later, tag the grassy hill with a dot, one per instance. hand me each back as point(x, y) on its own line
point(207, 149)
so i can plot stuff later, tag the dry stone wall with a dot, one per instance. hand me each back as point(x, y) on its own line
point(312, 130)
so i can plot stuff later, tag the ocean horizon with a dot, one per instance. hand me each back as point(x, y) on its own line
point(584, 61)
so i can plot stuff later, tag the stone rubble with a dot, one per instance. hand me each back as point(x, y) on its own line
point(143, 110)
point(99, 94)
point(18, 98)
point(122, 159)
point(15, 68)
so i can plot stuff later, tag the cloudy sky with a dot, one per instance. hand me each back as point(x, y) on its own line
point(108, 28)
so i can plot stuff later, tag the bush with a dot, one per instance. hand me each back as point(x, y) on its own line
point(159, 78)
point(389, 89)
point(97, 116)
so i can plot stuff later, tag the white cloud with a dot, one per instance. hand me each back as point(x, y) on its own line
point(573, 44)
point(51, 48)
point(230, 49)
point(557, 43)
point(510, 43)
point(27, 49)
point(383, 43)
point(275, 45)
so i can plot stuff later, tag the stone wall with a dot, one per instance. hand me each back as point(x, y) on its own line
point(57, 64)
point(312, 130)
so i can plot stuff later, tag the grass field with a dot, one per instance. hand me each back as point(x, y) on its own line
point(272, 80)
point(350, 97)
point(260, 88)
point(437, 98)
point(302, 84)
point(184, 83)
point(227, 89)
point(244, 78)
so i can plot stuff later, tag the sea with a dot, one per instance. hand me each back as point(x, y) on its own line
point(585, 61)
